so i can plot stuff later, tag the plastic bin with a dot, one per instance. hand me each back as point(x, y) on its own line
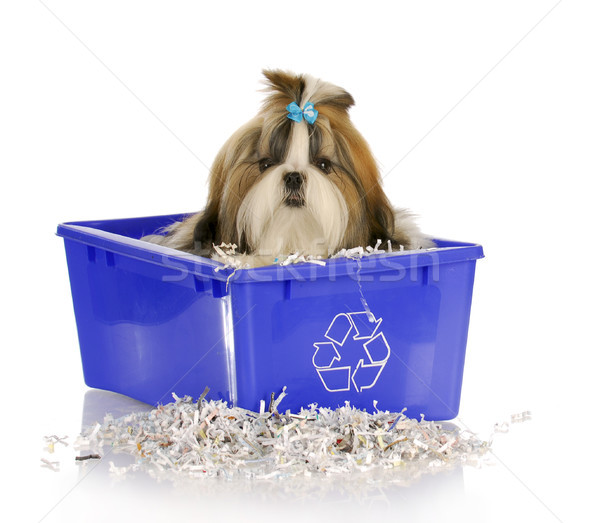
point(152, 320)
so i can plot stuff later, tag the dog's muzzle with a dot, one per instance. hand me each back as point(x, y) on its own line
point(293, 182)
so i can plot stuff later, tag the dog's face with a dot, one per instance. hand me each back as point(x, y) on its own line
point(281, 185)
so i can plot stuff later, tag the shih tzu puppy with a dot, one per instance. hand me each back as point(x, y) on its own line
point(298, 178)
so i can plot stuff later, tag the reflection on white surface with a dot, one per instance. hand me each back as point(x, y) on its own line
point(492, 492)
point(97, 403)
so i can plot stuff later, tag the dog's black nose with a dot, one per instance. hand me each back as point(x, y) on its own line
point(293, 181)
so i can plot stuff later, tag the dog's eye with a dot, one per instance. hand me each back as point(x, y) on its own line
point(324, 164)
point(264, 164)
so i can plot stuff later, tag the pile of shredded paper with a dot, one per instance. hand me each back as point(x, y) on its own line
point(210, 439)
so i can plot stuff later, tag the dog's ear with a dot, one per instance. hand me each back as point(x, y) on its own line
point(377, 207)
point(205, 231)
point(217, 223)
point(372, 205)
point(379, 212)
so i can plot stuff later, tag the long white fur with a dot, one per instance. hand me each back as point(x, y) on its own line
point(275, 228)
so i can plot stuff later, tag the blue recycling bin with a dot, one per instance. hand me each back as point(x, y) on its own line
point(152, 320)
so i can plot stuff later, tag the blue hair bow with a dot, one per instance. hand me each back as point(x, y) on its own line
point(309, 112)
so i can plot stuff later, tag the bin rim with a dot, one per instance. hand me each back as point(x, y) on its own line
point(89, 233)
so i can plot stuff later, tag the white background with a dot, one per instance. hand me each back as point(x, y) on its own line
point(484, 117)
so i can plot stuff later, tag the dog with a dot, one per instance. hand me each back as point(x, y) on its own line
point(297, 178)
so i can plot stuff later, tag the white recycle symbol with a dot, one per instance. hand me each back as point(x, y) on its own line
point(366, 372)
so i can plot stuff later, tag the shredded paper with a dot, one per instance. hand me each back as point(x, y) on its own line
point(227, 254)
point(211, 439)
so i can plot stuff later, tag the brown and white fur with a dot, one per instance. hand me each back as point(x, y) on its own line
point(279, 187)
